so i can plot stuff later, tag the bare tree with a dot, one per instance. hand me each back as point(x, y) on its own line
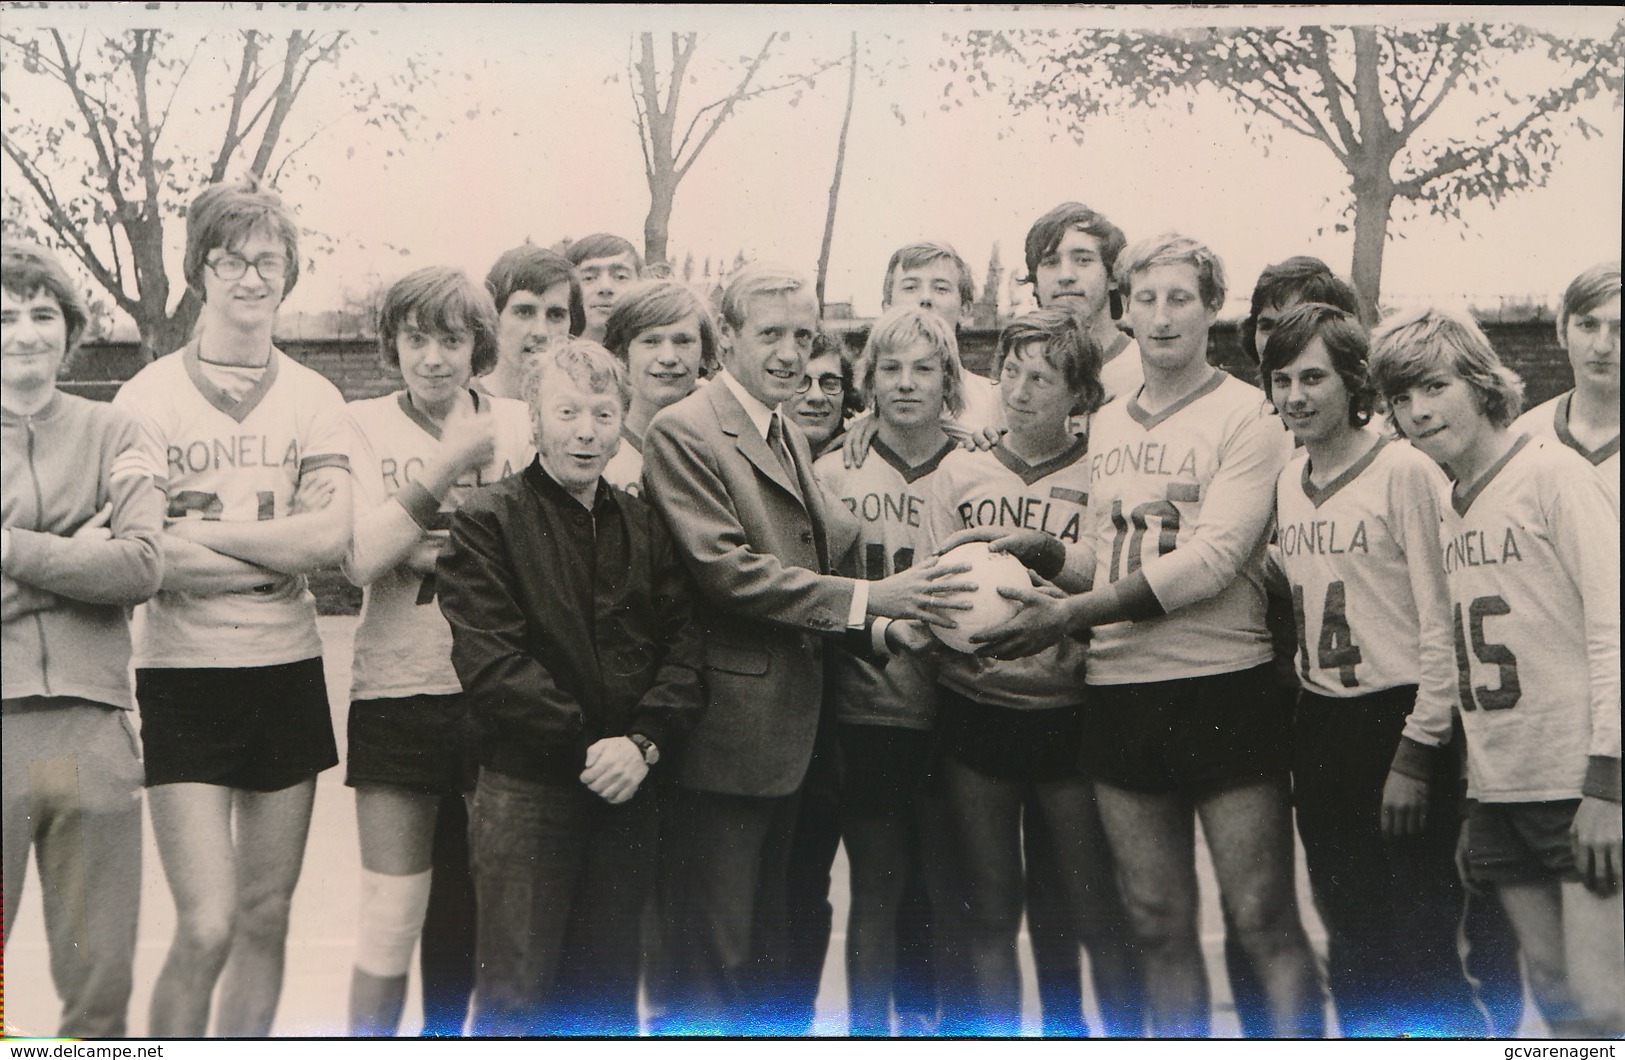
point(1424, 119)
point(657, 96)
point(85, 124)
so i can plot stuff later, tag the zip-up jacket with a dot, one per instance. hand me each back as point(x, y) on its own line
point(64, 601)
point(568, 625)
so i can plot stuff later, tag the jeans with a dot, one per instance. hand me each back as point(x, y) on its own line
point(560, 879)
point(1392, 907)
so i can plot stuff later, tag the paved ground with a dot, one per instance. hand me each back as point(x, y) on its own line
point(321, 937)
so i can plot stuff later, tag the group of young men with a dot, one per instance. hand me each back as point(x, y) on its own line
point(654, 620)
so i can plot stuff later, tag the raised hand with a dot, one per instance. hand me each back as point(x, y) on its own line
point(467, 440)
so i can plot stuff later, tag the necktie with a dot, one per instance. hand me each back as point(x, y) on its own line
point(776, 442)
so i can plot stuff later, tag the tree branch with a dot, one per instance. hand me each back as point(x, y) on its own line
point(284, 96)
point(726, 104)
point(107, 159)
point(1554, 101)
point(239, 95)
point(1320, 61)
point(637, 102)
point(140, 59)
point(186, 68)
point(1458, 65)
point(681, 56)
point(118, 258)
point(67, 228)
point(1314, 132)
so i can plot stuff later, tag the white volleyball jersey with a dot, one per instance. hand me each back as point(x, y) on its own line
point(999, 488)
point(234, 460)
point(403, 642)
point(887, 497)
point(1182, 498)
point(1551, 420)
point(1361, 554)
point(625, 468)
point(1531, 560)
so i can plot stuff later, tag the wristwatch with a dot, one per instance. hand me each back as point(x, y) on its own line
point(651, 753)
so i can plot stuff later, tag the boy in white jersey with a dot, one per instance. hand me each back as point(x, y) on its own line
point(932, 276)
point(884, 713)
point(1586, 418)
point(234, 714)
point(1357, 539)
point(538, 300)
point(1009, 730)
point(418, 452)
point(1183, 476)
point(1531, 560)
point(1070, 253)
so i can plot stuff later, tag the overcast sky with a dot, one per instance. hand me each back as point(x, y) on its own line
point(553, 152)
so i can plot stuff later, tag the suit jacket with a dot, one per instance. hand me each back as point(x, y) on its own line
point(761, 559)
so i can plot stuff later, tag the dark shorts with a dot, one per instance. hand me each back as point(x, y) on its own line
point(257, 728)
point(1010, 744)
point(1521, 842)
point(883, 767)
point(423, 743)
point(1196, 734)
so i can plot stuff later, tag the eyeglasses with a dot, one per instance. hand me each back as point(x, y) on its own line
point(831, 385)
point(235, 266)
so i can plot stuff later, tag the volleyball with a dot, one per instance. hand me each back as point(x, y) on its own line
point(989, 571)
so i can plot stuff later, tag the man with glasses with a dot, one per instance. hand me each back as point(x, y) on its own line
point(235, 723)
point(825, 397)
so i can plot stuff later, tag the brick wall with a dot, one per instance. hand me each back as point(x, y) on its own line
point(97, 369)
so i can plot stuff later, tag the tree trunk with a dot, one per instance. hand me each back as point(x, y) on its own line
point(657, 226)
point(835, 184)
point(1372, 180)
point(1373, 204)
point(165, 333)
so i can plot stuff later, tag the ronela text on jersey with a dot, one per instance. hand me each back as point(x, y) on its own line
point(240, 450)
point(1473, 548)
point(902, 508)
point(397, 474)
point(1322, 537)
point(1029, 513)
point(1147, 458)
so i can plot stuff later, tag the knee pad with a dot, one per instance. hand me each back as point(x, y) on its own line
point(392, 910)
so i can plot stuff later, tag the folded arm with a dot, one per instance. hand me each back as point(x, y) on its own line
point(123, 565)
point(293, 544)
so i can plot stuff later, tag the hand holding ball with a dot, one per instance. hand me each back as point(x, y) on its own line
point(989, 571)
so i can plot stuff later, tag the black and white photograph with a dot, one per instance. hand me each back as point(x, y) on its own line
point(593, 522)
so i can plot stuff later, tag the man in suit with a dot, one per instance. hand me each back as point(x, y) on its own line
point(733, 480)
